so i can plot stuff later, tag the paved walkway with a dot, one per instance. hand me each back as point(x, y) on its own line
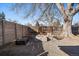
point(63, 47)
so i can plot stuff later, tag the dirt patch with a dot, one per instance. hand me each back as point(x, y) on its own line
point(32, 48)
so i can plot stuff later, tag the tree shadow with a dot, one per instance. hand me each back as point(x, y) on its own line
point(70, 50)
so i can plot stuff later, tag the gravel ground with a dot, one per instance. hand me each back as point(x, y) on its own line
point(65, 47)
point(32, 48)
point(54, 47)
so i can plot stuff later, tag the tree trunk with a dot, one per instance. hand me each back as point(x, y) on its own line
point(67, 31)
point(68, 17)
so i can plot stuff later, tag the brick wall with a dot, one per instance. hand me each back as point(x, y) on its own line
point(49, 29)
point(45, 30)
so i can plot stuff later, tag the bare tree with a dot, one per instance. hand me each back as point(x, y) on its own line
point(48, 15)
point(46, 11)
point(37, 24)
point(68, 14)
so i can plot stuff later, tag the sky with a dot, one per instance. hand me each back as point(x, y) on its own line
point(9, 14)
point(6, 8)
point(76, 17)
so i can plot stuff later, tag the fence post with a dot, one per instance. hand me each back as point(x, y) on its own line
point(3, 32)
point(15, 32)
point(22, 31)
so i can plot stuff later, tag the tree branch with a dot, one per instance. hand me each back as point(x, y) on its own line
point(69, 6)
point(61, 8)
point(75, 10)
point(44, 11)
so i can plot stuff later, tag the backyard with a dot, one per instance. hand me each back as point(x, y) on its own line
point(45, 29)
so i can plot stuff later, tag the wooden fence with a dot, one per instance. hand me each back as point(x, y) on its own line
point(10, 31)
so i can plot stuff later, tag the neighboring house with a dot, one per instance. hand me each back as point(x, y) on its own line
point(46, 29)
point(75, 29)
